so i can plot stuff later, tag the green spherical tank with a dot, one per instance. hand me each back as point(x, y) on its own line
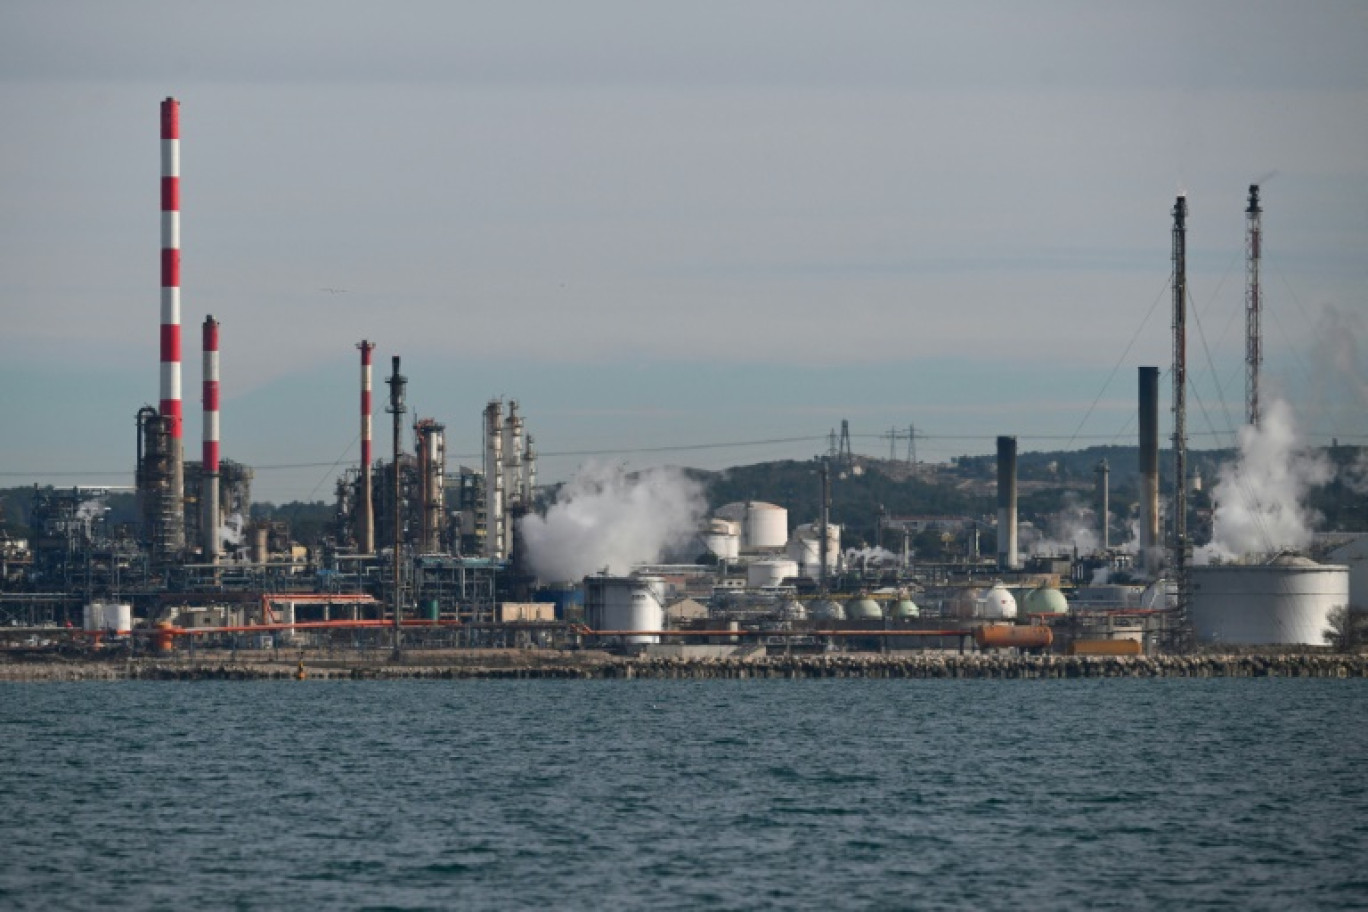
point(827, 610)
point(905, 609)
point(1046, 600)
point(863, 609)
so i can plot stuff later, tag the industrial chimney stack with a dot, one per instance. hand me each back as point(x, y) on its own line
point(209, 495)
point(1151, 555)
point(1007, 503)
point(365, 508)
point(170, 310)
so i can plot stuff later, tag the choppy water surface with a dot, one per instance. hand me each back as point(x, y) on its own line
point(675, 794)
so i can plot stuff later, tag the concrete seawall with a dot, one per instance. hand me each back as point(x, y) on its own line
point(513, 666)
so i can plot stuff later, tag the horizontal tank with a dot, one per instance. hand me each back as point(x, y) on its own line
point(1285, 602)
point(1012, 636)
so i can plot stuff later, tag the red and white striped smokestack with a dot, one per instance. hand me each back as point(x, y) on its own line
point(365, 513)
point(209, 500)
point(170, 298)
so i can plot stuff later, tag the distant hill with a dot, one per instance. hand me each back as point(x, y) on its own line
point(966, 486)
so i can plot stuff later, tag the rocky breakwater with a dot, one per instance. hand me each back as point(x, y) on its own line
point(545, 665)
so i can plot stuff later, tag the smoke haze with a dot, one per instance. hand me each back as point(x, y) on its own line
point(606, 518)
point(1260, 499)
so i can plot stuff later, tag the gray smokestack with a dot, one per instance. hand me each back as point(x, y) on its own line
point(1007, 503)
point(1150, 554)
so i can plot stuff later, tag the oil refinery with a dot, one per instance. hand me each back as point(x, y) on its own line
point(426, 554)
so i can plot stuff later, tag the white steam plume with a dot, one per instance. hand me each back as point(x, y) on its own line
point(1260, 499)
point(606, 518)
point(1074, 526)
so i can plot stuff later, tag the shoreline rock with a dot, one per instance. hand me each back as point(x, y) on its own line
point(551, 666)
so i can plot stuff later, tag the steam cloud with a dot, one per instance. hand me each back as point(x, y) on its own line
point(1259, 500)
point(606, 518)
point(1074, 526)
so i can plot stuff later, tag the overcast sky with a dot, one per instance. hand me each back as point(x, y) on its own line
point(674, 225)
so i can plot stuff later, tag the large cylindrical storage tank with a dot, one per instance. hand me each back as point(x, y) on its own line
point(762, 573)
point(118, 617)
point(806, 548)
point(766, 525)
point(92, 616)
point(626, 603)
point(763, 525)
point(721, 538)
point(1284, 602)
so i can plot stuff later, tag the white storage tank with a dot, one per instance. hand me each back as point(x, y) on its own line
point(997, 604)
point(118, 617)
point(806, 548)
point(1284, 602)
point(763, 573)
point(626, 603)
point(113, 617)
point(763, 525)
point(721, 538)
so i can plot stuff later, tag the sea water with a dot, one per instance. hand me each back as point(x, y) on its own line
point(818, 794)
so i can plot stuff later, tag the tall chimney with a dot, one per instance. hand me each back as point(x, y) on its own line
point(1007, 503)
point(1178, 524)
point(209, 496)
point(1151, 555)
point(1253, 306)
point(170, 309)
point(365, 508)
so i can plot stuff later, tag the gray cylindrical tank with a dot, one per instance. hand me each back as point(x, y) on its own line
point(626, 603)
point(1284, 602)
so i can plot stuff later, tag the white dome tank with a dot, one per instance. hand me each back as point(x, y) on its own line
point(763, 573)
point(997, 604)
point(1284, 602)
